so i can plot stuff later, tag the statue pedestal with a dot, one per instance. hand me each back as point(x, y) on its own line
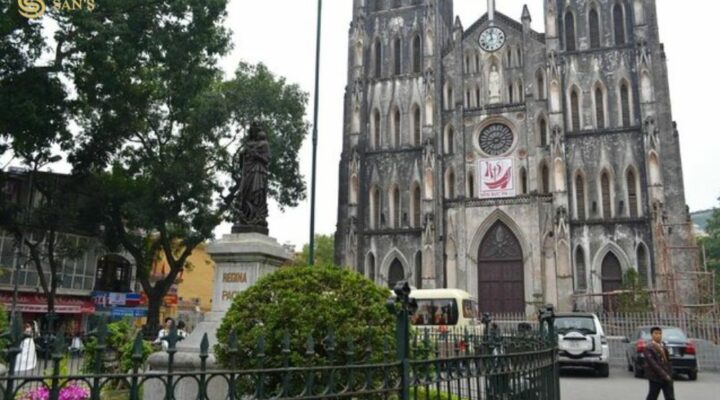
point(240, 260)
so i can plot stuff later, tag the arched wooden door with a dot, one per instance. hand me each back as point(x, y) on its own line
point(611, 280)
point(396, 273)
point(501, 279)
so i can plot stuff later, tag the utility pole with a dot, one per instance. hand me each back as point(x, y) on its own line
point(311, 252)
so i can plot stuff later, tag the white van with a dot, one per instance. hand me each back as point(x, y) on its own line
point(447, 308)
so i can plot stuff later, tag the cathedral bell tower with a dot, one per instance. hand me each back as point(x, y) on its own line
point(394, 49)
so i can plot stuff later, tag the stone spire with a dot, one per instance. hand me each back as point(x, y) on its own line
point(491, 10)
point(526, 14)
point(526, 18)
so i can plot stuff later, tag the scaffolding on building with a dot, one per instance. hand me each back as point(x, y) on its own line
point(688, 289)
point(676, 289)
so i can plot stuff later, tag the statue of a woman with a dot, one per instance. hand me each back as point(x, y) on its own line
point(494, 85)
point(251, 206)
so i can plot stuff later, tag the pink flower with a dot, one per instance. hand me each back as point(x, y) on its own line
point(69, 392)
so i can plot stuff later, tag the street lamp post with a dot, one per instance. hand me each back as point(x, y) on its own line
point(311, 250)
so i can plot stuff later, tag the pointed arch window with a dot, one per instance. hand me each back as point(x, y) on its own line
point(575, 110)
point(416, 126)
point(523, 181)
point(541, 90)
point(631, 183)
point(642, 264)
point(510, 93)
point(606, 196)
point(599, 108)
point(580, 269)
point(543, 132)
point(450, 184)
point(580, 197)
point(395, 204)
point(449, 97)
point(519, 57)
point(377, 58)
point(417, 54)
point(416, 205)
point(397, 51)
point(396, 127)
point(418, 270)
point(619, 24)
point(520, 92)
point(450, 140)
point(375, 207)
point(509, 57)
point(594, 25)
point(570, 32)
point(625, 103)
point(376, 129)
point(370, 266)
point(545, 178)
point(396, 273)
point(477, 96)
point(354, 189)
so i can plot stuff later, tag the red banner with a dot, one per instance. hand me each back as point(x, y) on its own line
point(37, 303)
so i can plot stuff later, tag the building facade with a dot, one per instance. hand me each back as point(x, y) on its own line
point(92, 282)
point(523, 167)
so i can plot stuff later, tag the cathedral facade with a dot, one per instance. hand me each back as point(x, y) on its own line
point(524, 167)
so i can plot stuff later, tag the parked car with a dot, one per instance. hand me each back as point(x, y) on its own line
point(683, 353)
point(582, 342)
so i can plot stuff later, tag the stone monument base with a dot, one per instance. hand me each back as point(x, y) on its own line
point(240, 260)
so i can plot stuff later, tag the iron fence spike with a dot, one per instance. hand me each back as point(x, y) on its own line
point(204, 346)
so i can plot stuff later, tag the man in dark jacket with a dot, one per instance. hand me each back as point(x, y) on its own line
point(658, 368)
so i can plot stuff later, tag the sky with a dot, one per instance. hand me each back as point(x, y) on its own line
point(281, 34)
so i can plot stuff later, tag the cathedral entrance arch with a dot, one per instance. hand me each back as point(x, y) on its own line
point(611, 280)
point(396, 273)
point(501, 283)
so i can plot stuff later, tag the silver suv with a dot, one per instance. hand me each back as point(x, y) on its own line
point(582, 342)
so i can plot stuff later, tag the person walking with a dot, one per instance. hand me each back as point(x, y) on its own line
point(658, 368)
point(26, 360)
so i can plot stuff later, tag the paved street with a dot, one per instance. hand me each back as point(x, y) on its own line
point(580, 385)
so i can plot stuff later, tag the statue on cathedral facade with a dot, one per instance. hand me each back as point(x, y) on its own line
point(494, 85)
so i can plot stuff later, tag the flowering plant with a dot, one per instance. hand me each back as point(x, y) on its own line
point(69, 392)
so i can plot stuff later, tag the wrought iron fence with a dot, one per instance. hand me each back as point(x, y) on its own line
point(432, 364)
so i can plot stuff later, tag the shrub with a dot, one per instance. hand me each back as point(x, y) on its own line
point(308, 301)
point(120, 341)
point(4, 327)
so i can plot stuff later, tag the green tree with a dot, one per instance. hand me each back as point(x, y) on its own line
point(324, 252)
point(157, 127)
point(172, 203)
point(120, 342)
point(635, 298)
point(34, 115)
point(711, 244)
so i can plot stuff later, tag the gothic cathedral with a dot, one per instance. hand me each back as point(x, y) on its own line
point(523, 167)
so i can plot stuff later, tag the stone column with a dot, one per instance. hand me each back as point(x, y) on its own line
point(240, 260)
